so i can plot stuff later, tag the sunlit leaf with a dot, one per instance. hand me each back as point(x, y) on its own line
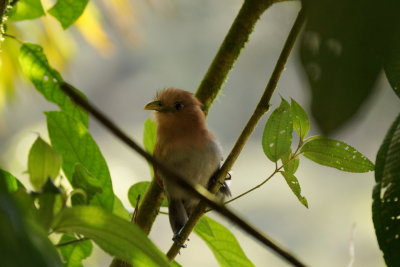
point(90, 26)
point(294, 185)
point(114, 235)
point(26, 9)
point(386, 195)
point(68, 11)
point(43, 163)
point(47, 81)
point(277, 136)
point(222, 243)
point(301, 123)
point(336, 154)
point(11, 183)
point(72, 139)
point(290, 165)
point(140, 188)
point(74, 253)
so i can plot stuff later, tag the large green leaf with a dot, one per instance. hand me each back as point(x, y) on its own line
point(301, 123)
point(336, 154)
point(26, 9)
point(114, 235)
point(68, 11)
point(47, 81)
point(72, 139)
point(222, 243)
point(339, 52)
point(23, 242)
point(74, 253)
point(140, 188)
point(43, 163)
point(386, 195)
point(11, 183)
point(294, 185)
point(290, 165)
point(277, 136)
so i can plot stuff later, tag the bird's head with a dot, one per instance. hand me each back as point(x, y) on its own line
point(177, 109)
point(173, 100)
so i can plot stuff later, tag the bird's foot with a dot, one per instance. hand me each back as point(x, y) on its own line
point(177, 238)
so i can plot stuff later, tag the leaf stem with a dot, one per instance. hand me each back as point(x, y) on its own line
point(71, 242)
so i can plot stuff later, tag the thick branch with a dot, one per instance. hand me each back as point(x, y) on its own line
point(198, 191)
point(230, 49)
point(260, 110)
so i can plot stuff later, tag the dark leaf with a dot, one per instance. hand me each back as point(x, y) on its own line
point(386, 196)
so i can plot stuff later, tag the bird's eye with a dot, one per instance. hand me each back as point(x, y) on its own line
point(178, 105)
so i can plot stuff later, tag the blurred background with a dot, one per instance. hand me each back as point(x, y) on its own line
point(122, 62)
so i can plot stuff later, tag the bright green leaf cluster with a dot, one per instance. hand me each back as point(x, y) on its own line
point(74, 253)
point(26, 9)
point(277, 140)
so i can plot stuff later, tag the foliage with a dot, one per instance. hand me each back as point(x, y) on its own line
point(91, 212)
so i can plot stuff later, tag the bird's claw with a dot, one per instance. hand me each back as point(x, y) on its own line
point(177, 241)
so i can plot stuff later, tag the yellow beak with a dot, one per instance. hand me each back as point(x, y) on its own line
point(155, 105)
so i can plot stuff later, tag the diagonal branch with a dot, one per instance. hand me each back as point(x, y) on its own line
point(260, 110)
point(205, 196)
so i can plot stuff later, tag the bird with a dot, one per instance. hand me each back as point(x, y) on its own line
point(185, 145)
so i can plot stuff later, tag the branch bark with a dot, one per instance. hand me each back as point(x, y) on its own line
point(229, 51)
point(260, 110)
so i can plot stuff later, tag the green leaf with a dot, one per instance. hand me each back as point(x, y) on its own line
point(11, 183)
point(149, 135)
point(294, 185)
point(68, 11)
point(82, 179)
point(301, 124)
point(120, 210)
point(47, 200)
point(23, 242)
point(72, 139)
point(336, 154)
point(26, 9)
point(47, 81)
point(386, 196)
point(339, 53)
point(290, 165)
point(114, 235)
point(277, 136)
point(74, 253)
point(222, 243)
point(140, 188)
point(43, 163)
point(149, 139)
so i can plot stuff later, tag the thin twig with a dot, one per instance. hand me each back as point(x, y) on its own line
point(71, 242)
point(198, 191)
point(260, 110)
